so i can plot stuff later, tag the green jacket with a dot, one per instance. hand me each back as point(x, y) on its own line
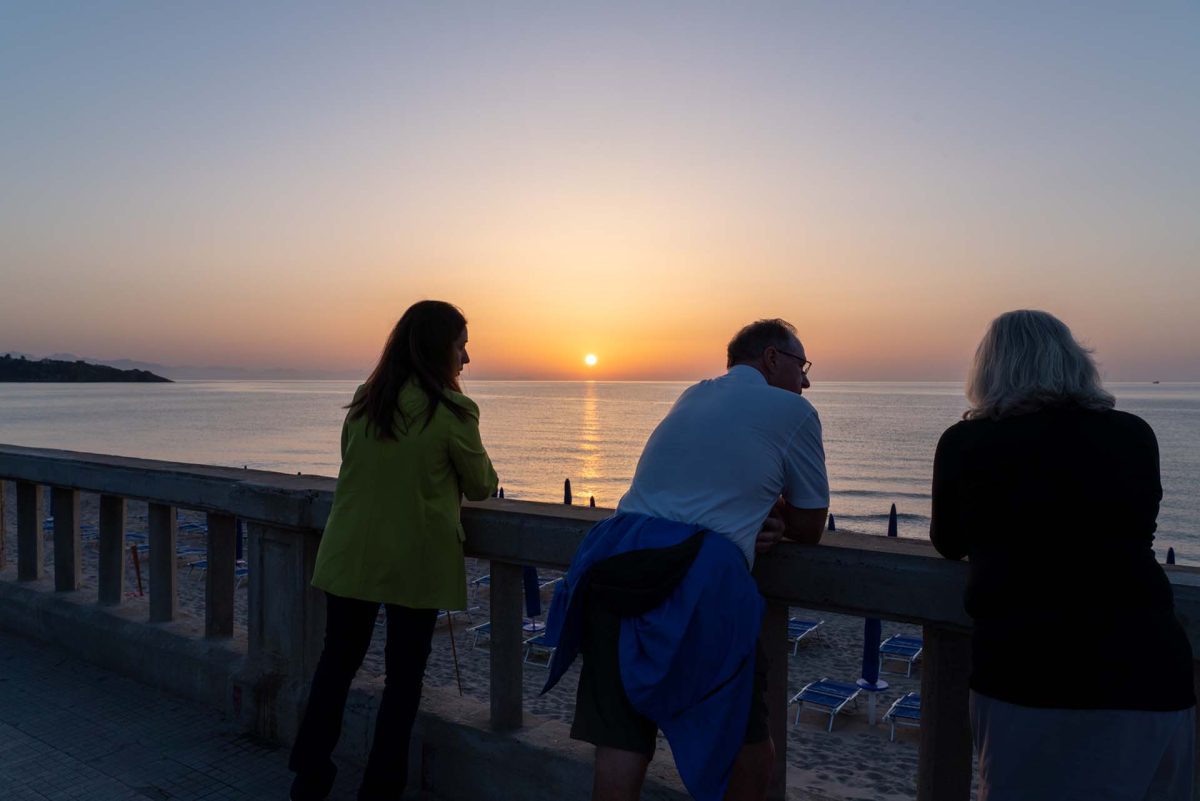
point(394, 533)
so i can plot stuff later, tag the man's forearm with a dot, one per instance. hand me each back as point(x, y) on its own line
point(804, 525)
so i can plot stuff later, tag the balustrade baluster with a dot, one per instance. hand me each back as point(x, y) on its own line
point(164, 581)
point(507, 647)
point(944, 764)
point(31, 557)
point(68, 547)
point(3, 525)
point(112, 550)
point(774, 642)
point(219, 578)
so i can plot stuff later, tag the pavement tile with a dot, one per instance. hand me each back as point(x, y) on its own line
point(69, 730)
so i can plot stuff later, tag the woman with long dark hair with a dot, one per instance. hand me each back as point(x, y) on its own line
point(410, 451)
point(1081, 676)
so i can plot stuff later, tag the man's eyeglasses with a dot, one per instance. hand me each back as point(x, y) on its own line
point(805, 364)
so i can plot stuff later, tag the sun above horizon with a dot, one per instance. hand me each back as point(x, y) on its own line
point(590, 360)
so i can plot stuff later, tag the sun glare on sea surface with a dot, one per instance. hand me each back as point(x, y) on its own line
point(590, 360)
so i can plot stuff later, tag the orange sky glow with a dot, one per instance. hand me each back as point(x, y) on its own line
point(625, 181)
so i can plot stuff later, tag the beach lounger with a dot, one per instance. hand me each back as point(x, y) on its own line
point(799, 629)
point(480, 631)
point(899, 648)
point(240, 571)
point(479, 582)
point(87, 531)
point(828, 695)
point(202, 565)
point(905, 711)
point(540, 646)
point(443, 614)
point(486, 581)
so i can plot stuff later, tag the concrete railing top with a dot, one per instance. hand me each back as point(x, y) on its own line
point(893, 579)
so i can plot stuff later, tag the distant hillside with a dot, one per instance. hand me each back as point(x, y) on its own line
point(53, 370)
point(221, 373)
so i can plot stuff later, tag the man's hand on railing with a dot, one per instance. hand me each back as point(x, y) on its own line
point(772, 530)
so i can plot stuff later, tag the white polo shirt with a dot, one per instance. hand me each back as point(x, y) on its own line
point(729, 447)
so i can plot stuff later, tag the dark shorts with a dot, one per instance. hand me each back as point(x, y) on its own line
point(603, 714)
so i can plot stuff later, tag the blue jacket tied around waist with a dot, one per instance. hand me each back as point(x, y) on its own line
point(687, 664)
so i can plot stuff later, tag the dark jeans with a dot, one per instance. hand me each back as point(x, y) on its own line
point(349, 624)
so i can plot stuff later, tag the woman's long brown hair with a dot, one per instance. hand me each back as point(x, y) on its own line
point(419, 348)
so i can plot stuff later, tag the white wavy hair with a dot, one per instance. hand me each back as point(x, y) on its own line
point(1029, 360)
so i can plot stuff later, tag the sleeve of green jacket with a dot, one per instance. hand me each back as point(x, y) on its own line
point(477, 477)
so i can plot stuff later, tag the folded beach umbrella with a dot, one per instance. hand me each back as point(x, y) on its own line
point(533, 595)
point(872, 634)
point(870, 681)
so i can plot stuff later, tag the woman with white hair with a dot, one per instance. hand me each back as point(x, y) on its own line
point(1081, 678)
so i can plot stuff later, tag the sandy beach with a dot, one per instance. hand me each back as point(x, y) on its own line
point(854, 762)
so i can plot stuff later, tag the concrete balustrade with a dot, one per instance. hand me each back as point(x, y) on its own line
point(68, 547)
point(30, 547)
point(264, 685)
point(945, 721)
point(507, 672)
point(220, 580)
point(774, 641)
point(111, 562)
point(162, 522)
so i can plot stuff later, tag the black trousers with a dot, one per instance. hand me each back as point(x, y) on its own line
point(349, 624)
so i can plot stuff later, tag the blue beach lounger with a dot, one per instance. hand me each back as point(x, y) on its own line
point(482, 630)
point(799, 629)
point(240, 571)
point(905, 711)
point(899, 648)
point(538, 645)
point(478, 582)
point(826, 694)
point(445, 614)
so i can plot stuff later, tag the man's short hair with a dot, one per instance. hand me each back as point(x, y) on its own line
point(749, 343)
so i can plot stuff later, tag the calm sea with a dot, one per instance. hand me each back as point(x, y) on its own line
point(879, 437)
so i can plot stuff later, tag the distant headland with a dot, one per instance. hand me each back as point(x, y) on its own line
point(52, 370)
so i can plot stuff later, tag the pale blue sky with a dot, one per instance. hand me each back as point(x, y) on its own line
point(271, 184)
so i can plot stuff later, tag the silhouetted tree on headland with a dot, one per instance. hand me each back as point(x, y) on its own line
point(52, 370)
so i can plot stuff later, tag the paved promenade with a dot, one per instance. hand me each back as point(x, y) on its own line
point(72, 731)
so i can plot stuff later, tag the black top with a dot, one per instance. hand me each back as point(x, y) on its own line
point(1056, 511)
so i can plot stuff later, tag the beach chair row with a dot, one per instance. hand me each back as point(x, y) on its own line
point(537, 650)
point(90, 531)
point(485, 581)
point(835, 697)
